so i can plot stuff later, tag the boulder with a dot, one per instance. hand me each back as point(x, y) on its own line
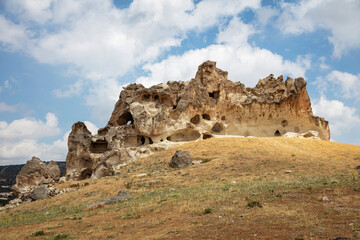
point(181, 159)
point(121, 196)
point(39, 193)
point(35, 173)
point(146, 120)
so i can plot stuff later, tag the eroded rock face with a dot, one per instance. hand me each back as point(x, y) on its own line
point(145, 120)
point(35, 173)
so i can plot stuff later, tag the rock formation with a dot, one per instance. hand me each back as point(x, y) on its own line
point(145, 120)
point(181, 159)
point(35, 173)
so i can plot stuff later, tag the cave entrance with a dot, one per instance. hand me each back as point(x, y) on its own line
point(214, 95)
point(277, 133)
point(85, 174)
point(125, 119)
point(99, 146)
point(144, 140)
point(206, 116)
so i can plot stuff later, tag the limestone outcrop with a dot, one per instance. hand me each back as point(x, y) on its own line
point(34, 174)
point(145, 120)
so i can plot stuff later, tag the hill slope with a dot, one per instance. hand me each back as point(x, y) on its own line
point(240, 191)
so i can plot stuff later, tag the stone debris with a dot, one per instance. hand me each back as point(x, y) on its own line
point(309, 134)
point(147, 120)
point(35, 173)
point(121, 196)
point(288, 171)
point(325, 199)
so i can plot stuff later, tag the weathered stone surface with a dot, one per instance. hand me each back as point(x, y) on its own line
point(181, 159)
point(146, 120)
point(40, 192)
point(34, 174)
point(121, 196)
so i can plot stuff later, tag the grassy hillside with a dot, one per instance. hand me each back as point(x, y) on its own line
point(240, 191)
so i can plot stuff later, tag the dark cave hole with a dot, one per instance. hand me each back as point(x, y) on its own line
point(206, 116)
point(99, 146)
point(277, 133)
point(215, 94)
point(125, 119)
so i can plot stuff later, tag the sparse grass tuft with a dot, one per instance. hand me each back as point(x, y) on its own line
point(61, 236)
point(38, 233)
point(252, 204)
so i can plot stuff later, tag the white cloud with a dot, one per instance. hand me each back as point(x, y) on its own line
point(102, 98)
point(243, 62)
point(21, 139)
point(323, 65)
point(344, 121)
point(102, 40)
point(91, 127)
point(30, 128)
point(348, 83)
point(72, 90)
point(341, 18)
point(8, 108)
point(265, 14)
point(12, 36)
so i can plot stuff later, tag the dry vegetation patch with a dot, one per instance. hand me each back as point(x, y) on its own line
point(240, 191)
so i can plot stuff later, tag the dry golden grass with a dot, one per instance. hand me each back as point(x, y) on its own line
point(210, 200)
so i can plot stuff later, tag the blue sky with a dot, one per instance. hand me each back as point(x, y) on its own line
point(64, 61)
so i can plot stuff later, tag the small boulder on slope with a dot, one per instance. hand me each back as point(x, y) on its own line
point(181, 159)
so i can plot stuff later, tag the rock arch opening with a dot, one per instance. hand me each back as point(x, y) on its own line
point(99, 146)
point(125, 119)
point(277, 133)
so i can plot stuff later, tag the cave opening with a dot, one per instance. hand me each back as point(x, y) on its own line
point(277, 133)
point(144, 140)
point(206, 136)
point(215, 94)
point(99, 146)
point(206, 116)
point(125, 119)
point(195, 119)
point(284, 123)
point(85, 174)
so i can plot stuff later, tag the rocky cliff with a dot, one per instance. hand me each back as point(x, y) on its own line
point(145, 120)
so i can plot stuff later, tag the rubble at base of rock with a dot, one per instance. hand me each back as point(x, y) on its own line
point(35, 181)
point(146, 120)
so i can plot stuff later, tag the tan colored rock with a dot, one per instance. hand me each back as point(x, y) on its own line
point(145, 120)
point(34, 174)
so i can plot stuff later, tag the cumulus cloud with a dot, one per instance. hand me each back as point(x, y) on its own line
point(102, 40)
point(7, 108)
point(233, 53)
point(12, 36)
point(72, 90)
point(22, 139)
point(344, 121)
point(349, 83)
point(339, 17)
